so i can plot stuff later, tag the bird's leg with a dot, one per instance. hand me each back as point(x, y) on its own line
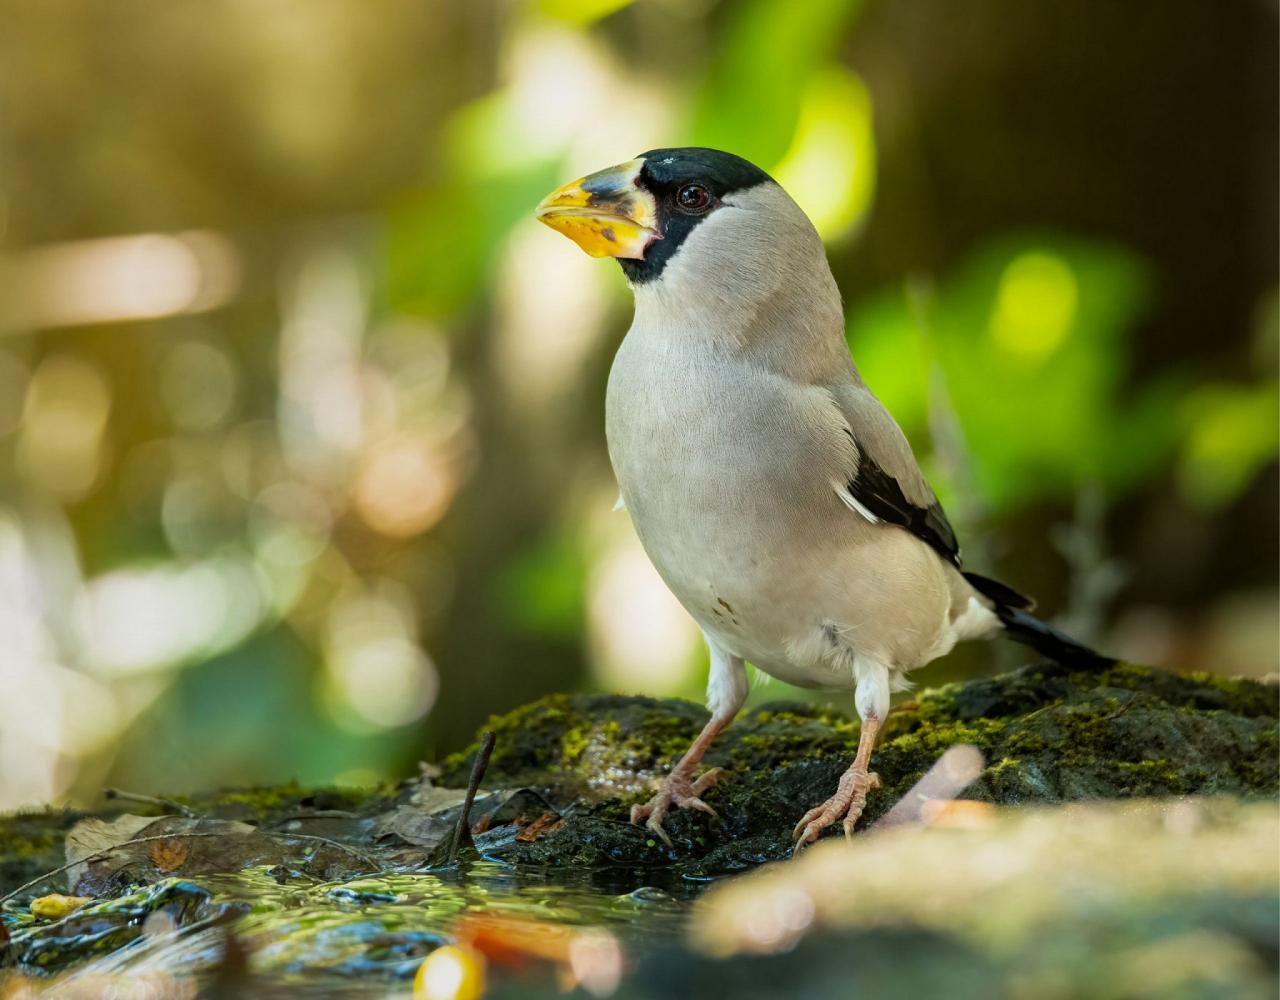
point(851, 793)
point(678, 788)
point(726, 691)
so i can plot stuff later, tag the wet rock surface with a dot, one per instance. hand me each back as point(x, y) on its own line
point(1048, 735)
point(345, 892)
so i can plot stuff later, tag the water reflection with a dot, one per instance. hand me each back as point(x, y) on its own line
point(369, 932)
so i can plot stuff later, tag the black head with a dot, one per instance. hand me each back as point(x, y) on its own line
point(688, 184)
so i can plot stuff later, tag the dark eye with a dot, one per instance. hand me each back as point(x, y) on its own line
point(693, 199)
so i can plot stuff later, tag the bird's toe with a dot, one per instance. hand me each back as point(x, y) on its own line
point(707, 780)
point(802, 827)
point(678, 792)
point(654, 826)
point(693, 802)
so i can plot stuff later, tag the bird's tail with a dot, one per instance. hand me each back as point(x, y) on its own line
point(1014, 612)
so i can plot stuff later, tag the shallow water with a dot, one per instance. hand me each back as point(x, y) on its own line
point(365, 935)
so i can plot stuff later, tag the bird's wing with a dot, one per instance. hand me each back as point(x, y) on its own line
point(886, 484)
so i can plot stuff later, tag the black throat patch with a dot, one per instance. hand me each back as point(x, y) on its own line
point(665, 172)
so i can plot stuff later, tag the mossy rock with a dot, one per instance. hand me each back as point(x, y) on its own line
point(1049, 734)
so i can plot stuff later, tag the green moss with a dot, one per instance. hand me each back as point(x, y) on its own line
point(31, 844)
point(1052, 735)
point(1049, 733)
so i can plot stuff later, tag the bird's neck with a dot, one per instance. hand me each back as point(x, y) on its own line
point(786, 319)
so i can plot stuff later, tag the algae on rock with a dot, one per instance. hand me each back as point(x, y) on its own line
point(566, 768)
point(1049, 734)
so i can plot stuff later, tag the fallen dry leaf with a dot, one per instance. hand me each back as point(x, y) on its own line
point(56, 905)
point(547, 823)
point(414, 826)
point(169, 855)
point(198, 847)
point(91, 836)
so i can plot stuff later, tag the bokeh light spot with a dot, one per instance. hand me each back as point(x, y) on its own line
point(198, 385)
point(830, 169)
point(641, 635)
point(64, 422)
point(1036, 304)
point(450, 973)
point(403, 487)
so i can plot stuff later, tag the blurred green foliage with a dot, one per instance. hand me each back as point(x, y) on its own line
point(1030, 339)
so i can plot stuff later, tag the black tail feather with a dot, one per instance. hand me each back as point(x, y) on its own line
point(1049, 641)
point(1001, 593)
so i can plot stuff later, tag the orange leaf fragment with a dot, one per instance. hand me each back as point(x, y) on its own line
point(548, 822)
point(169, 855)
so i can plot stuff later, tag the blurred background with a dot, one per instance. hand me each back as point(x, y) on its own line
point(302, 466)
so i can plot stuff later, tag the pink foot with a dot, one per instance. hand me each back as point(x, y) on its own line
point(676, 790)
point(849, 801)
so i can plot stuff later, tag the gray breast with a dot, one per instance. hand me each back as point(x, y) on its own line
point(717, 471)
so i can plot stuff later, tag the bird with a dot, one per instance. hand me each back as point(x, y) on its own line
point(775, 495)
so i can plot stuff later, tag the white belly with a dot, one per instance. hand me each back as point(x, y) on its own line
point(728, 482)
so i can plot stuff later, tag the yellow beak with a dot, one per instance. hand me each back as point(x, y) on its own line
point(605, 213)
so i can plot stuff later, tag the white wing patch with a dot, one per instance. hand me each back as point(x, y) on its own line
point(850, 501)
point(618, 504)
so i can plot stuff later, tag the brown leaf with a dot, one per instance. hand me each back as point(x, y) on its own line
point(90, 836)
point(547, 823)
point(413, 826)
point(169, 855)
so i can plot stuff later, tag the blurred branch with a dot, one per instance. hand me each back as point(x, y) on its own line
point(151, 800)
point(950, 448)
point(1093, 578)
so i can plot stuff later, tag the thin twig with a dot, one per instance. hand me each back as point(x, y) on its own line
point(319, 814)
point(353, 851)
point(107, 851)
point(98, 856)
point(473, 785)
point(1122, 709)
point(151, 800)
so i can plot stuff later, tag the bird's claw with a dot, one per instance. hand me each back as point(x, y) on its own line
point(678, 791)
point(849, 801)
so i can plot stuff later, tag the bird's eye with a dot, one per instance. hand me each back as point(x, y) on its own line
point(693, 199)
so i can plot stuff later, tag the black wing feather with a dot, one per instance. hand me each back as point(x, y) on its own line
point(881, 494)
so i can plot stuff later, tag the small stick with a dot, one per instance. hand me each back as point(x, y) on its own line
point(477, 772)
point(319, 814)
point(118, 793)
point(107, 851)
point(98, 856)
point(347, 848)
